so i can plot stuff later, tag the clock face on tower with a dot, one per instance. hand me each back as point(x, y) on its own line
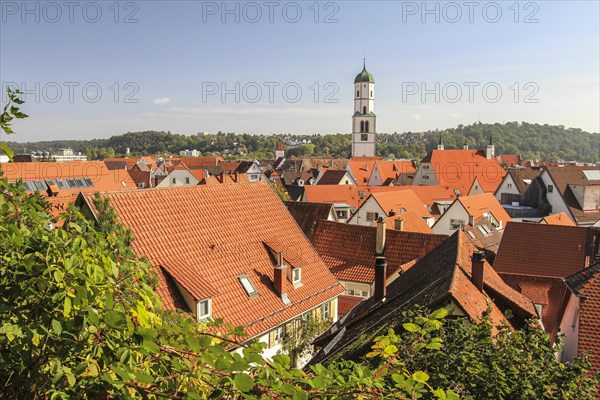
point(364, 137)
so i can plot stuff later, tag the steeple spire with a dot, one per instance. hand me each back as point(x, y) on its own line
point(440, 143)
point(364, 63)
point(491, 142)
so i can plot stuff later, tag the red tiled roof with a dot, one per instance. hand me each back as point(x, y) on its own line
point(552, 251)
point(551, 293)
point(102, 178)
point(477, 205)
point(558, 219)
point(509, 160)
point(204, 237)
point(392, 169)
point(361, 168)
point(347, 303)
point(412, 222)
point(200, 162)
point(442, 276)
point(401, 200)
point(349, 250)
point(459, 168)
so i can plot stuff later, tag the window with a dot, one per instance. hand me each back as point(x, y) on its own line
point(471, 234)
point(550, 188)
point(326, 311)
point(140, 185)
point(173, 181)
point(279, 333)
point(364, 110)
point(204, 309)
point(362, 126)
point(371, 93)
point(426, 177)
point(187, 181)
point(247, 285)
point(365, 293)
point(296, 275)
point(357, 93)
point(509, 185)
point(364, 137)
point(372, 216)
point(484, 229)
point(456, 224)
point(343, 214)
point(366, 126)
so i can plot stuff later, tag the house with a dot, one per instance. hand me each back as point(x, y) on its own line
point(581, 324)
point(181, 175)
point(409, 221)
point(222, 178)
point(467, 171)
point(361, 169)
point(535, 258)
point(515, 184)
point(61, 182)
point(329, 176)
point(219, 254)
point(308, 215)
point(387, 204)
point(574, 190)
point(391, 172)
point(465, 210)
point(349, 251)
point(509, 160)
point(484, 236)
point(557, 219)
point(453, 275)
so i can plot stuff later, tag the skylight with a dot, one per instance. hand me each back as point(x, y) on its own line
point(247, 285)
point(592, 174)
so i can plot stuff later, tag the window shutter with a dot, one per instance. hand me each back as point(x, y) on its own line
point(272, 338)
point(333, 308)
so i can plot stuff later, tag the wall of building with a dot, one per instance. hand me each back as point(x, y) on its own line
point(507, 186)
point(455, 212)
point(180, 176)
point(569, 327)
point(588, 196)
point(554, 197)
point(425, 175)
point(369, 206)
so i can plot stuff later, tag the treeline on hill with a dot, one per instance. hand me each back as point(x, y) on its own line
point(532, 141)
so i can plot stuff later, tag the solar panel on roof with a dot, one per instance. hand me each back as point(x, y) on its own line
point(89, 182)
point(40, 185)
point(62, 184)
point(72, 183)
point(592, 174)
point(80, 182)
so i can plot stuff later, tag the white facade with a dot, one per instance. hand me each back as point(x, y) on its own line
point(367, 213)
point(554, 198)
point(451, 220)
point(569, 328)
point(506, 186)
point(66, 155)
point(475, 188)
point(179, 177)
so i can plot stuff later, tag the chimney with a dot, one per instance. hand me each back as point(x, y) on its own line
point(235, 176)
point(399, 224)
point(477, 270)
point(392, 213)
point(280, 276)
point(221, 177)
point(380, 237)
point(380, 278)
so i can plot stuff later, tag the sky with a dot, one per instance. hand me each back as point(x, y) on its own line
point(103, 68)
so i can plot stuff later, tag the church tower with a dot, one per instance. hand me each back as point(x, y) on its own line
point(363, 120)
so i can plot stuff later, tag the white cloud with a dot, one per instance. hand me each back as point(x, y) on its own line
point(162, 100)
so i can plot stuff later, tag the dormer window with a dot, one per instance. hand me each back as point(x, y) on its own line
point(296, 275)
point(247, 285)
point(204, 309)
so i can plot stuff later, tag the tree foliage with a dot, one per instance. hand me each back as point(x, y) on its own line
point(532, 141)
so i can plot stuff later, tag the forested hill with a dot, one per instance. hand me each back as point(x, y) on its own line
point(532, 141)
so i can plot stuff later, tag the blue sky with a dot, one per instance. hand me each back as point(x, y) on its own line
point(164, 65)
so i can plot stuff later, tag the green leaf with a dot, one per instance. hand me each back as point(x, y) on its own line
point(439, 314)
point(115, 319)
point(56, 327)
point(411, 327)
point(243, 382)
point(144, 377)
point(67, 307)
point(318, 382)
point(420, 376)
